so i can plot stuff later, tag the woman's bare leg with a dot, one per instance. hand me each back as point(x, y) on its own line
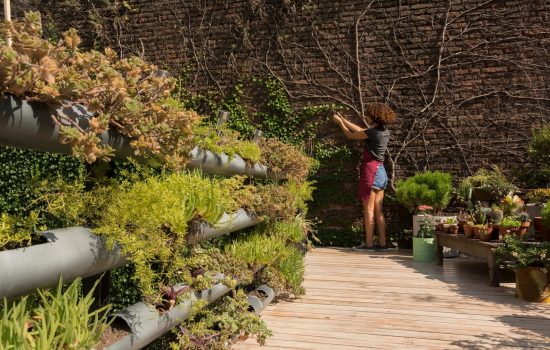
point(368, 208)
point(379, 216)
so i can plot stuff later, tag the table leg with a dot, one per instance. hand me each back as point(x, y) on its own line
point(438, 251)
point(494, 270)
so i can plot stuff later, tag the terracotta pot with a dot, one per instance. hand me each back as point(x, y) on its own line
point(485, 236)
point(503, 230)
point(453, 229)
point(532, 284)
point(542, 233)
point(446, 228)
point(523, 229)
point(461, 225)
point(440, 227)
point(468, 231)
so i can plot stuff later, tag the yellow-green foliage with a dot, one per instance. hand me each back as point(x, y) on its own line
point(258, 249)
point(302, 192)
point(149, 221)
point(16, 231)
point(226, 141)
point(292, 268)
point(540, 195)
point(61, 320)
point(124, 94)
point(291, 230)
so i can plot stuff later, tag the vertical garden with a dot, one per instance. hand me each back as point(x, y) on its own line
point(197, 224)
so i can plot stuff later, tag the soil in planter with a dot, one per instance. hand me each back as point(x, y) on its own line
point(35, 240)
point(118, 330)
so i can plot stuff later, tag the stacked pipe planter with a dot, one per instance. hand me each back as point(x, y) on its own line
point(29, 125)
point(259, 304)
point(228, 223)
point(76, 252)
point(68, 253)
point(146, 324)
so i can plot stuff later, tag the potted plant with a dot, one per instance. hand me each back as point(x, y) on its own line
point(525, 224)
point(485, 185)
point(462, 218)
point(452, 226)
point(532, 267)
point(469, 229)
point(480, 218)
point(484, 233)
point(507, 226)
point(536, 200)
point(427, 188)
point(423, 242)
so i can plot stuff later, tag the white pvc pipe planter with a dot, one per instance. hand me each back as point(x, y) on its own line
point(29, 125)
point(222, 164)
point(76, 252)
point(69, 253)
point(146, 325)
point(228, 223)
point(259, 304)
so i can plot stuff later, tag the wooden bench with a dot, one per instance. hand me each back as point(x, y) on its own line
point(474, 247)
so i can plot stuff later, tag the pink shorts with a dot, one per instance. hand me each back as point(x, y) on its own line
point(373, 176)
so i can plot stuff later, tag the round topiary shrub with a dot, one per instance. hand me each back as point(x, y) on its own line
point(431, 188)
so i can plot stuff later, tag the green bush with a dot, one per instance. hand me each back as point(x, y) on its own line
point(426, 188)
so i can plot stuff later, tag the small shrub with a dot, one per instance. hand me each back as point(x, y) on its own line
point(285, 160)
point(428, 188)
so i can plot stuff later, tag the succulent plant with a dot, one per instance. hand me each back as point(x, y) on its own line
point(496, 215)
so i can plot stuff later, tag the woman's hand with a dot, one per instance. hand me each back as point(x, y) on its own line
point(337, 118)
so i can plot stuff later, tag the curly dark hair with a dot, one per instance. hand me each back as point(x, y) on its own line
point(380, 113)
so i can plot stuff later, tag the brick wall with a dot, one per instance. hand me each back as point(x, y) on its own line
point(469, 78)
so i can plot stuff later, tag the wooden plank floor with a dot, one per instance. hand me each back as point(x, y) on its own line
point(384, 300)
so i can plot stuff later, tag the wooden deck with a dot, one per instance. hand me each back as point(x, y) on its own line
point(375, 300)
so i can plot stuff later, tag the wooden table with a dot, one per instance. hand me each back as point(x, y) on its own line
point(474, 247)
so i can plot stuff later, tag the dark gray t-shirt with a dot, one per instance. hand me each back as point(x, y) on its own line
point(377, 142)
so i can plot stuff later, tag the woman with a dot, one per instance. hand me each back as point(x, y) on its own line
point(373, 178)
